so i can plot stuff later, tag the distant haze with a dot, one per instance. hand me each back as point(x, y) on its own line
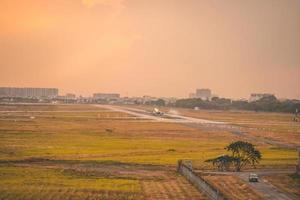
point(152, 47)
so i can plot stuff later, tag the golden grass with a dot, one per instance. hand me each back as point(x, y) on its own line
point(91, 138)
point(41, 183)
point(88, 137)
point(277, 126)
point(28, 177)
point(288, 183)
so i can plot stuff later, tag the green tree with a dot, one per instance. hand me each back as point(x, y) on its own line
point(243, 153)
point(159, 102)
point(222, 163)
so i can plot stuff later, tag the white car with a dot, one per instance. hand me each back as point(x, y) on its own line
point(253, 177)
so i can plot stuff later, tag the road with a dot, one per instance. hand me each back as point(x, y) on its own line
point(196, 123)
point(267, 190)
point(172, 118)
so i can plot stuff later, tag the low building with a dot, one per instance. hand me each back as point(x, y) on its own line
point(204, 94)
point(70, 96)
point(258, 96)
point(106, 96)
point(28, 92)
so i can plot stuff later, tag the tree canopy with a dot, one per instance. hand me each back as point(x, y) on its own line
point(242, 154)
point(269, 104)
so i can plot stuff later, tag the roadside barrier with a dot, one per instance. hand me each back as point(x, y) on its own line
point(185, 168)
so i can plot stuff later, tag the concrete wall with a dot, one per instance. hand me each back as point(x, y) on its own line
point(186, 170)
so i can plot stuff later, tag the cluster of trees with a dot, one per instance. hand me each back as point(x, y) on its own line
point(269, 104)
point(242, 154)
point(19, 99)
point(158, 102)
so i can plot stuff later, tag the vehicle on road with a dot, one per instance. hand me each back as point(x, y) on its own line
point(253, 177)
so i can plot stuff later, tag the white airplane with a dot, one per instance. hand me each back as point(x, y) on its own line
point(157, 112)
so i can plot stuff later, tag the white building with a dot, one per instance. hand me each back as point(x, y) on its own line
point(106, 96)
point(204, 94)
point(28, 92)
point(258, 96)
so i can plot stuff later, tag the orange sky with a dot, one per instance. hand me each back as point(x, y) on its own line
point(152, 47)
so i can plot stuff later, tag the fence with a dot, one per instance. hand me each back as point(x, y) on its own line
point(185, 168)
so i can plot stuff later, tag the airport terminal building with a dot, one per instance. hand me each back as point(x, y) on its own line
point(28, 92)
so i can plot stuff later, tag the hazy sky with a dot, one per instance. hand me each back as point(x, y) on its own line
point(152, 47)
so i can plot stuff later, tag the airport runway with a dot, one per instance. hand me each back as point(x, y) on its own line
point(167, 117)
point(196, 123)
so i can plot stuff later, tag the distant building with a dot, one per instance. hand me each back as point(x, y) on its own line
point(169, 100)
point(258, 96)
point(148, 99)
point(192, 95)
point(28, 92)
point(70, 96)
point(204, 94)
point(106, 96)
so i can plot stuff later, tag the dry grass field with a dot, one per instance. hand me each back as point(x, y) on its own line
point(276, 126)
point(289, 184)
point(85, 152)
point(232, 187)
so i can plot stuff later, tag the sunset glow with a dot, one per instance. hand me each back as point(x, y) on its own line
point(161, 48)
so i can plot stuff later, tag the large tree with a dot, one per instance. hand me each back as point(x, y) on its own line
point(222, 163)
point(244, 153)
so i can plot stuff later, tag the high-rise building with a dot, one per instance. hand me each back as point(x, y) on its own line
point(28, 92)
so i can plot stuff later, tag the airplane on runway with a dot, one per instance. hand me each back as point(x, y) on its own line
point(157, 112)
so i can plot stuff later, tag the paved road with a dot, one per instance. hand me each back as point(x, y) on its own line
point(267, 190)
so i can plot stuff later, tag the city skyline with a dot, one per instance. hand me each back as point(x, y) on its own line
point(38, 92)
point(157, 48)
